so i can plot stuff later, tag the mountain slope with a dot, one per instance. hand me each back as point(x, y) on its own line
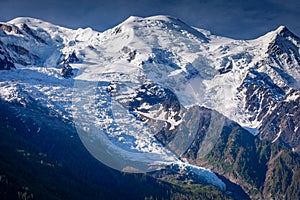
point(157, 92)
point(52, 163)
point(263, 169)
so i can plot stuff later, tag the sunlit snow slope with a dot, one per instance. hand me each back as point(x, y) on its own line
point(143, 76)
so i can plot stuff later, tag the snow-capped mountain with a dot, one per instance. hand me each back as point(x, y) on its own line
point(137, 89)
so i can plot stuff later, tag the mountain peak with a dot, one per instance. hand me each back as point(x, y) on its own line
point(27, 20)
point(132, 19)
point(282, 38)
point(280, 32)
point(163, 22)
point(35, 23)
point(283, 31)
point(162, 18)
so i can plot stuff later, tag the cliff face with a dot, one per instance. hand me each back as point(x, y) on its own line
point(263, 169)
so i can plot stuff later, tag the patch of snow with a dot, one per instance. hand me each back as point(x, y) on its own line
point(253, 131)
point(292, 97)
point(204, 174)
point(277, 137)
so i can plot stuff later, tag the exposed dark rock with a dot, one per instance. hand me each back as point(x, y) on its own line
point(9, 28)
point(18, 49)
point(282, 124)
point(28, 30)
point(261, 94)
point(117, 30)
point(5, 60)
point(131, 55)
point(284, 47)
point(67, 71)
point(226, 65)
point(5, 64)
point(284, 32)
point(71, 58)
point(159, 101)
point(21, 55)
point(266, 101)
point(191, 71)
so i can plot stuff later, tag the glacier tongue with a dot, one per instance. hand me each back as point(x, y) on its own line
point(202, 173)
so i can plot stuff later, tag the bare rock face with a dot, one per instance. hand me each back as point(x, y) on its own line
point(71, 58)
point(29, 31)
point(5, 64)
point(282, 125)
point(67, 71)
point(5, 61)
point(9, 28)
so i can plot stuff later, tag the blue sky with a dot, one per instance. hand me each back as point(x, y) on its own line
point(240, 19)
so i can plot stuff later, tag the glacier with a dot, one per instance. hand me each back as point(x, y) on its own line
point(110, 97)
